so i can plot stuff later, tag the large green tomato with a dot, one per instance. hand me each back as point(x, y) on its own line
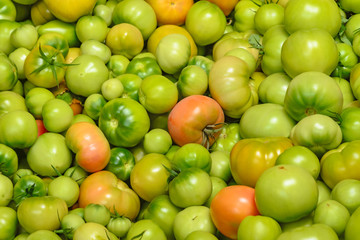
point(314, 232)
point(266, 120)
point(49, 152)
point(124, 122)
point(44, 213)
point(8, 223)
point(87, 75)
point(285, 202)
point(29, 186)
point(352, 231)
point(263, 227)
point(309, 50)
point(138, 13)
point(18, 129)
point(307, 14)
point(313, 93)
point(57, 115)
point(273, 88)
point(317, 132)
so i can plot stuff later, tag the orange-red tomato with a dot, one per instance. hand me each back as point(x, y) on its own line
point(171, 11)
point(41, 127)
point(89, 144)
point(230, 206)
point(195, 119)
point(105, 188)
point(226, 6)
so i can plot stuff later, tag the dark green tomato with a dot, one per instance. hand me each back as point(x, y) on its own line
point(124, 122)
point(8, 73)
point(29, 186)
point(131, 83)
point(20, 173)
point(143, 67)
point(350, 124)
point(163, 212)
point(121, 163)
point(93, 105)
point(201, 61)
point(65, 29)
point(8, 160)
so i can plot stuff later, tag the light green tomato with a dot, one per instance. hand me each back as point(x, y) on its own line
point(112, 88)
point(24, 36)
point(348, 96)
point(57, 115)
point(35, 100)
point(94, 47)
point(263, 227)
point(317, 132)
point(173, 53)
point(157, 141)
point(18, 57)
point(193, 80)
point(6, 190)
point(244, 55)
point(273, 88)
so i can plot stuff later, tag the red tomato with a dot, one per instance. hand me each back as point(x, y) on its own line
point(41, 127)
point(170, 11)
point(105, 188)
point(195, 119)
point(230, 206)
point(89, 144)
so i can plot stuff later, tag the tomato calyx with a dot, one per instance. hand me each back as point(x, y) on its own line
point(50, 61)
point(209, 133)
point(255, 42)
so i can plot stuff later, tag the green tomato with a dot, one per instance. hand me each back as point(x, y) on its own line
point(157, 140)
point(316, 231)
point(300, 156)
point(112, 88)
point(70, 223)
point(244, 15)
point(288, 202)
point(345, 87)
point(66, 188)
point(220, 165)
point(76, 173)
point(18, 57)
point(158, 94)
point(93, 105)
point(121, 163)
point(8, 160)
point(146, 229)
point(200, 235)
point(300, 14)
point(263, 227)
point(351, 26)
point(317, 132)
point(192, 155)
point(143, 66)
point(333, 214)
point(124, 122)
point(201, 61)
point(7, 27)
point(268, 15)
point(91, 27)
point(206, 22)
point(347, 59)
point(352, 231)
point(97, 213)
point(131, 83)
point(273, 88)
point(191, 187)
point(49, 152)
point(41, 213)
point(36, 98)
point(29, 186)
point(193, 80)
point(350, 124)
point(313, 93)
point(229, 135)
point(97, 48)
point(309, 50)
point(6, 190)
point(93, 231)
point(8, 223)
point(138, 13)
point(18, 129)
point(119, 226)
point(86, 75)
point(57, 115)
point(105, 11)
point(347, 193)
point(266, 120)
point(117, 65)
point(11, 101)
point(7, 10)
point(216, 185)
point(24, 36)
point(324, 191)
point(173, 53)
point(8, 73)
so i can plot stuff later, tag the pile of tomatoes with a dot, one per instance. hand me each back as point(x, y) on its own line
point(179, 120)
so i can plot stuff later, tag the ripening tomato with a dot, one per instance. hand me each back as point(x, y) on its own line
point(230, 206)
point(195, 119)
point(170, 11)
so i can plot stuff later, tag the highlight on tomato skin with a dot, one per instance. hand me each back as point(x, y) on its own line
point(89, 144)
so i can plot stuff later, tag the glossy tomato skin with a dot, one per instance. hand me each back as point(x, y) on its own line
point(230, 206)
point(9, 160)
point(250, 157)
point(89, 144)
point(8, 223)
point(190, 116)
point(171, 12)
point(105, 188)
point(44, 212)
point(70, 10)
point(124, 122)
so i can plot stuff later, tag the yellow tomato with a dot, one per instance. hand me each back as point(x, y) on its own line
point(70, 10)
